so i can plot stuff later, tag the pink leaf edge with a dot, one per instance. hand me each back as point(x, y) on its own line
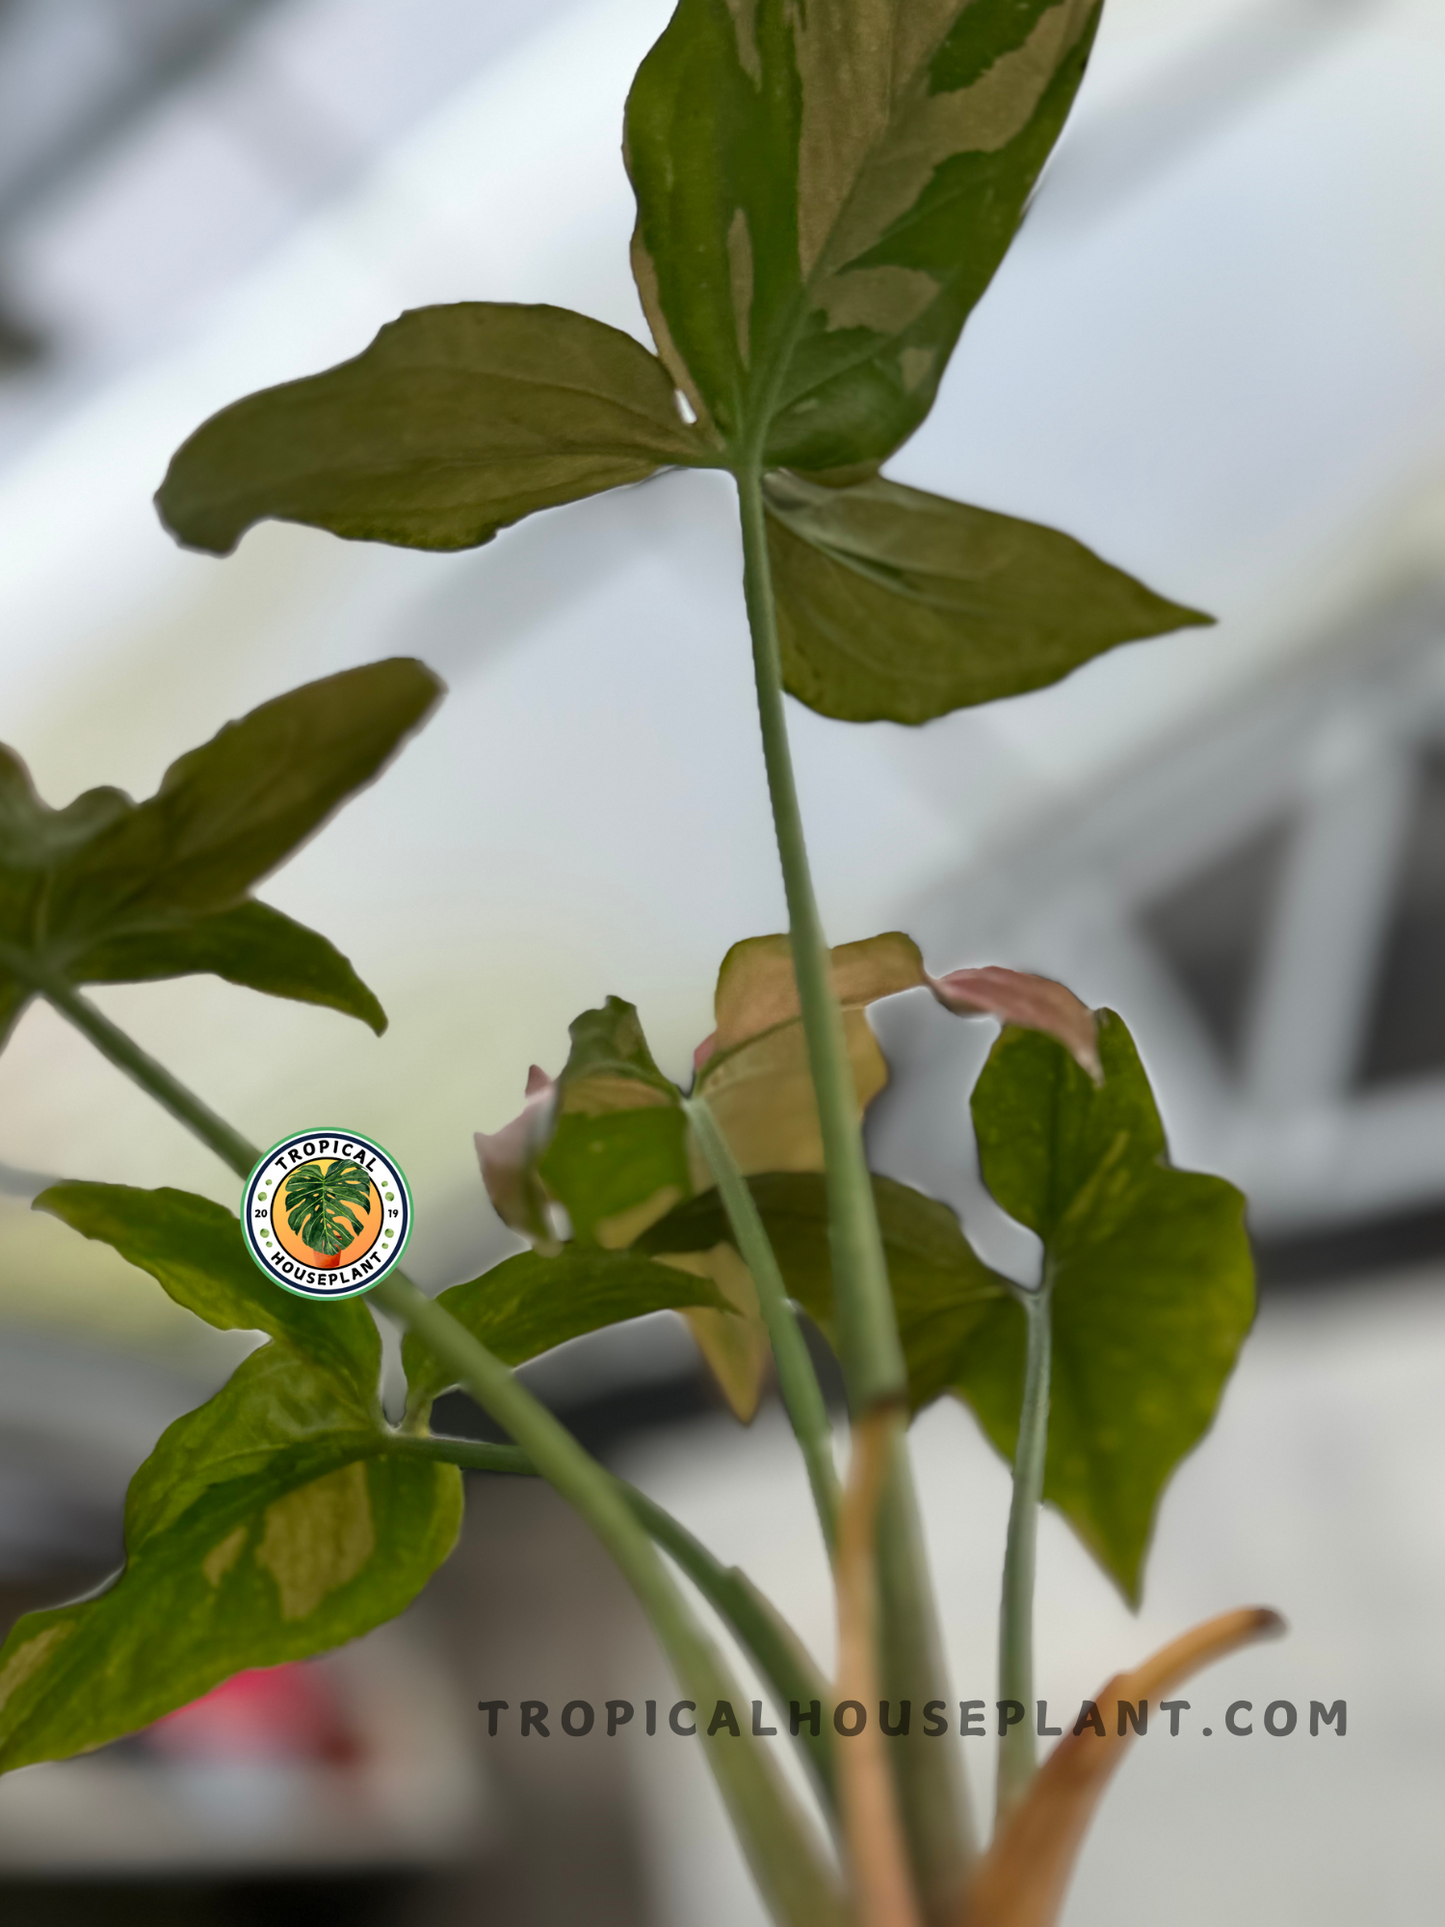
point(1036, 1003)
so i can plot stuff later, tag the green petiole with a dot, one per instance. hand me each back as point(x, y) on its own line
point(1017, 1749)
point(802, 1395)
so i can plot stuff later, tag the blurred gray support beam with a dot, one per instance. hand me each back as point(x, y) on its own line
point(1320, 955)
point(46, 136)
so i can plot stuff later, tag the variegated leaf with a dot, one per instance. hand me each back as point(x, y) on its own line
point(617, 1158)
point(312, 1548)
point(824, 193)
point(271, 1523)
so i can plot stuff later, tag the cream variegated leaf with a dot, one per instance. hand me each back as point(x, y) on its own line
point(610, 1143)
point(735, 1341)
point(824, 192)
point(271, 1523)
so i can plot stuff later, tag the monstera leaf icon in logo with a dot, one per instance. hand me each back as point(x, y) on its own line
point(318, 1198)
point(326, 1213)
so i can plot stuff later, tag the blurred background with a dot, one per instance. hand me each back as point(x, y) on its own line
point(1217, 354)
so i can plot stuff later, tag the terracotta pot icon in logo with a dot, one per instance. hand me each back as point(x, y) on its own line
point(319, 1207)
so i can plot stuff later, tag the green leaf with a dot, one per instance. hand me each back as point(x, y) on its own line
point(311, 1551)
point(942, 1290)
point(898, 606)
point(267, 1525)
point(617, 1158)
point(252, 945)
point(110, 891)
point(824, 193)
point(1152, 1287)
point(227, 813)
point(527, 1304)
point(195, 1252)
point(455, 422)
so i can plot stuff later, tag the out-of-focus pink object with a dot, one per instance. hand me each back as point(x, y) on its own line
point(287, 1712)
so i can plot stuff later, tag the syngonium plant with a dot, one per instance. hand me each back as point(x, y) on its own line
point(823, 194)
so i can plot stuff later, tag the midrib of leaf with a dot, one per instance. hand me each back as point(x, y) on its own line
point(896, 582)
point(580, 388)
point(364, 1441)
point(805, 302)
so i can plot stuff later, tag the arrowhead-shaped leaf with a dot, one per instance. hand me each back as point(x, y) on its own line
point(527, 1304)
point(267, 1525)
point(898, 606)
point(824, 193)
point(609, 1140)
point(455, 422)
point(618, 1159)
point(1152, 1286)
point(307, 1552)
point(110, 891)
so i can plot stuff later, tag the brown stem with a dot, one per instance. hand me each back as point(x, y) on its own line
point(1021, 1880)
point(872, 1825)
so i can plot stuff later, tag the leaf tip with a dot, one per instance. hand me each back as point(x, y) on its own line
point(1195, 618)
point(48, 1201)
point(185, 533)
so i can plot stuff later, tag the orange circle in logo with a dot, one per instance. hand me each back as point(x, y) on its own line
point(370, 1220)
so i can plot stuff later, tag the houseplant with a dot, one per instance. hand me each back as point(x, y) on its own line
point(823, 196)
